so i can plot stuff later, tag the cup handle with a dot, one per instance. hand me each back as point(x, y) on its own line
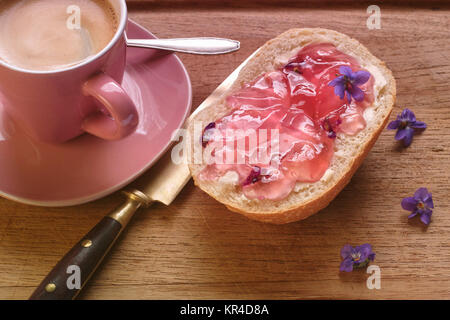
point(123, 117)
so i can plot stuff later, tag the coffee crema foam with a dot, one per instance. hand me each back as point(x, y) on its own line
point(34, 34)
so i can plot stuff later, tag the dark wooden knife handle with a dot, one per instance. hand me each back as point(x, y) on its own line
point(73, 271)
point(81, 261)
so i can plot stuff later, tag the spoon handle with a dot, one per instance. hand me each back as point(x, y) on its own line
point(188, 45)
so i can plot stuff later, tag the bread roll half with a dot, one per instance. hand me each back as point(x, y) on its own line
point(306, 198)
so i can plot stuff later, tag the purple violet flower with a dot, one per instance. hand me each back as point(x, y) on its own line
point(348, 82)
point(405, 125)
point(294, 66)
point(207, 133)
point(420, 204)
point(357, 257)
point(330, 126)
point(253, 177)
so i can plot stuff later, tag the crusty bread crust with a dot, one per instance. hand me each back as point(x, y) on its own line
point(312, 197)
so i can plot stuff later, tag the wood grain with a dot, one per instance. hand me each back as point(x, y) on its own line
point(197, 249)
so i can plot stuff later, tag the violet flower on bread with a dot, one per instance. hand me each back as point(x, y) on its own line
point(406, 126)
point(253, 177)
point(330, 126)
point(356, 257)
point(420, 204)
point(348, 82)
point(293, 66)
point(207, 133)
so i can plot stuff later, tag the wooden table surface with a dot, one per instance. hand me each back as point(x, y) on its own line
point(196, 248)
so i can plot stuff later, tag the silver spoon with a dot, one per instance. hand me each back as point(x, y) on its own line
point(202, 45)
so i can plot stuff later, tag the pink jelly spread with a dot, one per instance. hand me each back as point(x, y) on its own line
point(298, 101)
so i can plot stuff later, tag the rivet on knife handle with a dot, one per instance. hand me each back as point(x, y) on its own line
point(84, 258)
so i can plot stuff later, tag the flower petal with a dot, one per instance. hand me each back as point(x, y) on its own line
point(357, 93)
point(349, 96)
point(408, 115)
point(408, 137)
point(253, 177)
point(426, 218)
point(346, 265)
point(409, 203)
point(429, 201)
point(361, 77)
point(412, 215)
point(424, 211)
point(346, 251)
point(210, 125)
point(421, 194)
point(418, 125)
point(401, 134)
point(339, 90)
point(371, 256)
point(365, 250)
point(393, 124)
point(346, 71)
point(337, 81)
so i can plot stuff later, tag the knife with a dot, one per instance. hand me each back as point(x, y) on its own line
point(161, 183)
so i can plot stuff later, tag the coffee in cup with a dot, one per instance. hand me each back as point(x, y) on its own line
point(54, 34)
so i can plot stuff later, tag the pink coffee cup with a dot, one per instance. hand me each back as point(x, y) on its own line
point(58, 105)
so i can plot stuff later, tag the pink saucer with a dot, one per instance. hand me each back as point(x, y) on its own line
point(88, 168)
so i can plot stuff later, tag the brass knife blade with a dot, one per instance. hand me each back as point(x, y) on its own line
point(165, 180)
